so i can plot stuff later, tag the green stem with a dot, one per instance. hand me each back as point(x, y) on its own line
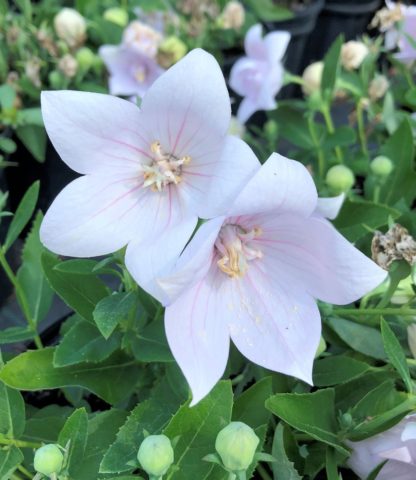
point(263, 472)
point(331, 129)
point(19, 443)
point(25, 472)
point(314, 136)
point(361, 129)
point(376, 193)
point(21, 297)
point(394, 281)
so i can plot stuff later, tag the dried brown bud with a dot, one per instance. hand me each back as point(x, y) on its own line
point(396, 244)
point(68, 65)
point(32, 71)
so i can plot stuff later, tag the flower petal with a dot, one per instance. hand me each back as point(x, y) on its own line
point(329, 207)
point(148, 260)
point(188, 108)
point(274, 325)
point(92, 216)
point(280, 184)
point(93, 132)
point(212, 186)
point(311, 252)
point(193, 264)
point(196, 330)
point(247, 107)
point(276, 44)
point(253, 42)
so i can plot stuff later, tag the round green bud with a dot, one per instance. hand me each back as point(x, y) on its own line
point(381, 166)
point(155, 455)
point(171, 50)
point(339, 178)
point(236, 445)
point(116, 15)
point(56, 80)
point(85, 58)
point(48, 459)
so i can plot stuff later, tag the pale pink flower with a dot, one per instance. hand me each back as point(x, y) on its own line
point(147, 173)
point(259, 76)
point(396, 35)
point(253, 275)
point(131, 72)
point(396, 447)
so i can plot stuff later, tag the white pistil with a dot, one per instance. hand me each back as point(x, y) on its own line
point(164, 169)
point(233, 243)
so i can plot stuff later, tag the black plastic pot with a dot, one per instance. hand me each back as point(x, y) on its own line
point(350, 17)
point(300, 27)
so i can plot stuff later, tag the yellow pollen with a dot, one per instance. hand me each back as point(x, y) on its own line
point(164, 169)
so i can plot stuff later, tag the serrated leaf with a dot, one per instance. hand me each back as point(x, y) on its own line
point(74, 434)
point(337, 369)
point(112, 310)
point(31, 277)
point(10, 459)
point(312, 413)
point(197, 428)
point(84, 343)
point(395, 353)
point(79, 292)
point(283, 468)
point(150, 344)
point(23, 214)
point(113, 380)
point(12, 412)
point(152, 416)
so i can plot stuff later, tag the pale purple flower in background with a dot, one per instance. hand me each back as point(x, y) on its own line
point(131, 72)
point(396, 36)
point(147, 173)
point(253, 275)
point(259, 76)
point(396, 447)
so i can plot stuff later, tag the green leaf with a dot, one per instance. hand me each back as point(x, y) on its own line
point(79, 292)
point(12, 412)
point(23, 214)
point(151, 345)
point(31, 277)
point(399, 148)
point(152, 416)
point(269, 11)
point(331, 67)
point(312, 413)
point(337, 369)
point(197, 429)
point(74, 433)
point(389, 114)
point(82, 266)
point(10, 459)
point(361, 338)
point(7, 145)
point(46, 423)
point(249, 406)
point(359, 217)
point(283, 468)
point(112, 310)
point(342, 137)
point(15, 335)
point(84, 343)
point(34, 139)
point(102, 430)
point(7, 96)
point(113, 380)
point(32, 116)
point(395, 353)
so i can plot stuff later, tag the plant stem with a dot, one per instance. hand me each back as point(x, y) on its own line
point(376, 193)
point(19, 443)
point(376, 311)
point(25, 472)
point(321, 158)
point(263, 472)
point(331, 129)
point(361, 129)
point(21, 297)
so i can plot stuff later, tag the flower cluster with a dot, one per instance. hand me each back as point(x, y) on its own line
point(252, 272)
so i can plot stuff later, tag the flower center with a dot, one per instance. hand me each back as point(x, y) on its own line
point(165, 168)
point(234, 245)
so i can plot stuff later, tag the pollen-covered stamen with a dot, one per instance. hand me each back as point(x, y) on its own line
point(165, 168)
point(234, 246)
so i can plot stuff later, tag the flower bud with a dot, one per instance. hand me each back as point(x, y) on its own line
point(68, 65)
point(155, 455)
point(381, 166)
point(236, 445)
point(142, 38)
point(312, 77)
point(339, 178)
point(56, 80)
point(171, 50)
point(48, 460)
point(32, 71)
point(85, 58)
point(71, 27)
point(378, 87)
point(353, 54)
point(116, 15)
point(233, 15)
